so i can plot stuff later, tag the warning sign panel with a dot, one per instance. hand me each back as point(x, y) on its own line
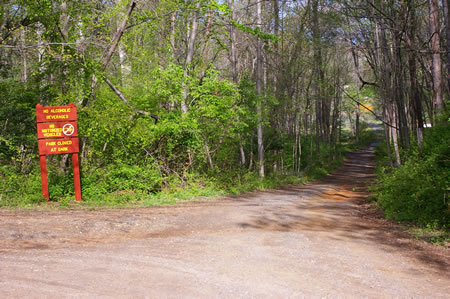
point(58, 146)
point(56, 113)
point(55, 130)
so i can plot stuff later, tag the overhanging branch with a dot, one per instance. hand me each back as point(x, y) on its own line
point(124, 99)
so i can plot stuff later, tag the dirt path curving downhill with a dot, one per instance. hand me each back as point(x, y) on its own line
point(315, 240)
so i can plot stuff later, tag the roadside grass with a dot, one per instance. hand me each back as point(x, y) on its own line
point(430, 234)
point(170, 196)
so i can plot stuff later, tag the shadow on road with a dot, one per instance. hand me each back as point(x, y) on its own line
point(337, 206)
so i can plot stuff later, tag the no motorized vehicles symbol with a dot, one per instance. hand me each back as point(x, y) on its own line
point(68, 129)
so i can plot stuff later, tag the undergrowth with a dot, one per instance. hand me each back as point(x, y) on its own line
point(418, 190)
point(431, 233)
point(123, 185)
point(135, 184)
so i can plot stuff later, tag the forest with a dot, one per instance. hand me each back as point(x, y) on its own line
point(192, 98)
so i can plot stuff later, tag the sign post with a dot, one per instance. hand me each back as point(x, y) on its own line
point(58, 134)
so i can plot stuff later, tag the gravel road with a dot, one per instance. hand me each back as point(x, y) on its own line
point(321, 239)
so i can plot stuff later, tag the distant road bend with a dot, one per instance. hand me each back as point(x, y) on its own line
point(316, 240)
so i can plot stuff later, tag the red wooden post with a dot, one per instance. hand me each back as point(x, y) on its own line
point(76, 177)
point(44, 178)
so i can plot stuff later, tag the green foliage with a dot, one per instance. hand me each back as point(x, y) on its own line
point(127, 158)
point(239, 182)
point(18, 189)
point(255, 31)
point(119, 177)
point(123, 183)
point(418, 190)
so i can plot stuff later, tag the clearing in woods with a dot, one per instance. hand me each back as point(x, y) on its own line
point(313, 240)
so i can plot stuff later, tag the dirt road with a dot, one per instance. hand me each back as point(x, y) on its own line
point(315, 240)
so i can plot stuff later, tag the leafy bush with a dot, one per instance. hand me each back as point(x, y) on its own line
point(18, 189)
point(418, 190)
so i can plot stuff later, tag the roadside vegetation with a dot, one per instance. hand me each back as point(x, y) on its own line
point(132, 185)
point(418, 191)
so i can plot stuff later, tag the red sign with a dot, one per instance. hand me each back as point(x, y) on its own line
point(58, 122)
point(56, 113)
point(58, 146)
point(55, 130)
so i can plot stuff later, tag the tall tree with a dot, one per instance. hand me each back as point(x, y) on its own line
point(436, 69)
point(259, 78)
point(416, 111)
point(317, 71)
point(445, 5)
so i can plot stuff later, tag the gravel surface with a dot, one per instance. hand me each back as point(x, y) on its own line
point(321, 239)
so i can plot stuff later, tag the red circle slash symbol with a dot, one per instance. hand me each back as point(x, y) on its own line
point(68, 129)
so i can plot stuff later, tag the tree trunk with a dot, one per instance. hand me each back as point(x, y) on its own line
point(206, 46)
point(233, 44)
point(115, 42)
point(394, 134)
point(299, 154)
point(317, 70)
point(42, 67)
point(447, 32)
point(275, 162)
point(295, 146)
point(276, 15)
point(436, 56)
point(398, 90)
point(414, 86)
point(357, 117)
point(233, 61)
point(173, 21)
point(356, 63)
point(310, 140)
point(250, 162)
point(242, 152)
point(259, 70)
point(386, 135)
point(192, 33)
point(335, 114)
point(208, 155)
point(125, 68)
point(24, 54)
point(385, 72)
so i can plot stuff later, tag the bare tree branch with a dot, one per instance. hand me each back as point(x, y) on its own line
point(124, 99)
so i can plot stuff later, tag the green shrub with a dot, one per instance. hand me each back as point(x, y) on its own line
point(418, 190)
point(19, 189)
point(318, 172)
